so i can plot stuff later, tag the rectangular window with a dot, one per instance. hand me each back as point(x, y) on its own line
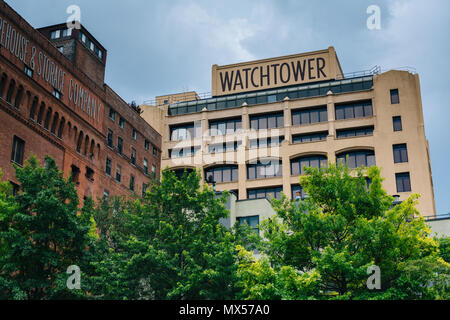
point(264, 170)
point(403, 182)
point(145, 166)
point(310, 137)
point(265, 193)
point(28, 71)
point(400, 153)
point(133, 156)
point(57, 94)
point(131, 182)
point(67, 32)
point(55, 34)
point(61, 49)
point(112, 114)
point(146, 144)
point(18, 150)
point(110, 139)
point(265, 142)
point(121, 122)
point(118, 173)
point(309, 116)
point(397, 121)
point(155, 152)
point(144, 189)
point(251, 221)
point(183, 132)
point(106, 194)
point(354, 132)
point(108, 166)
point(222, 127)
point(395, 99)
point(354, 110)
point(120, 145)
point(153, 171)
point(267, 121)
point(134, 134)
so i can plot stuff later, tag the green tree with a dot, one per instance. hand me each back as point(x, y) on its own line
point(341, 229)
point(41, 234)
point(170, 245)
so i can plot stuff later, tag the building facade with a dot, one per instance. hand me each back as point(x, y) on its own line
point(53, 101)
point(269, 119)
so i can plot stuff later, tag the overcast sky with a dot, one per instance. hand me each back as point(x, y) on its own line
point(160, 47)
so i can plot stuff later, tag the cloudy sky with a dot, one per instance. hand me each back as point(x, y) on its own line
point(160, 47)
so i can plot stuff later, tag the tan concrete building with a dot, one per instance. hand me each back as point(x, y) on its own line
point(268, 119)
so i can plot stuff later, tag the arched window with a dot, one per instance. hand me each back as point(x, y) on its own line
point(3, 84)
point(55, 123)
point(33, 108)
point(91, 150)
point(10, 92)
point(358, 158)
point(221, 174)
point(61, 127)
point(299, 164)
point(80, 141)
point(182, 171)
point(41, 114)
point(18, 97)
point(47, 118)
point(86, 145)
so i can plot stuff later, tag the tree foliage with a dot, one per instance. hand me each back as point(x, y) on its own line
point(341, 229)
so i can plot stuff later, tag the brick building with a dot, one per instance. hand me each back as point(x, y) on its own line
point(53, 101)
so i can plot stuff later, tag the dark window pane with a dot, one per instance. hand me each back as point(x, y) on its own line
point(394, 96)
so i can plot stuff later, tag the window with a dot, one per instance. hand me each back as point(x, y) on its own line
point(144, 189)
point(146, 144)
point(400, 153)
point(131, 182)
point(153, 171)
point(298, 165)
point(395, 99)
point(106, 194)
point(118, 173)
point(75, 174)
point(57, 94)
point(155, 152)
point(297, 192)
point(18, 99)
point(183, 152)
point(354, 110)
point(67, 32)
point(61, 49)
point(222, 174)
point(183, 132)
point(354, 132)
point(15, 188)
point(112, 114)
point(310, 137)
point(133, 156)
point(267, 121)
point(134, 134)
point(397, 121)
point(9, 93)
point(33, 108)
point(89, 174)
point(83, 37)
point(308, 116)
point(110, 139)
point(17, 150)
point(356, 159)
point(265, 169)
point(120, 145)
point(145, 166)
point(403, 182)
point(55, 34)
point(47, 118)
point(222, 127)
point(265, 193)
point(28, 71)
point(121, 122)
point(108, 166)
point(224, 147)
point(251, 221)
point(266, 143)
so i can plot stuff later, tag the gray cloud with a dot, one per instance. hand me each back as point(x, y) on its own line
point(159, 47)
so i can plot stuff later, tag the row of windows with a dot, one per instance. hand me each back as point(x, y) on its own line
point(118, 177)
point(91, 45)
point(222, 174)
point(45, 117)
point(56, 34)
point(354, 132)
point(302, 91)
point(354, 110)
point(273, 120)
point(310, 137)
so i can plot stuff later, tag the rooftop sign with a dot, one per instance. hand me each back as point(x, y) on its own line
point(275, 72)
